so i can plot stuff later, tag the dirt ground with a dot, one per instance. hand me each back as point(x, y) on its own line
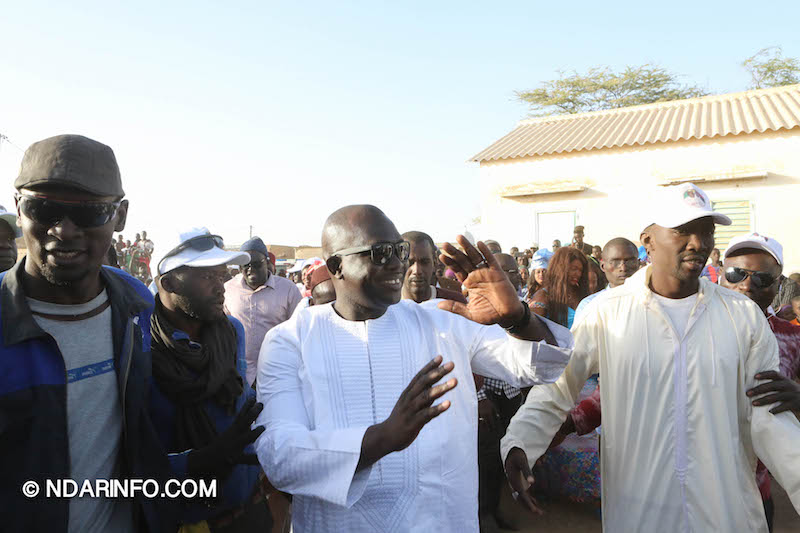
point(563, 516)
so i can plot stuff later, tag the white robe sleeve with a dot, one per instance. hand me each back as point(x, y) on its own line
point(296, 458)
point(539, 418)
point(776, 438)
point(496, 354)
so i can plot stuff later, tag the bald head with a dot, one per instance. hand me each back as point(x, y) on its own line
point(510, 267)
point(355, 225)
point(365, 284)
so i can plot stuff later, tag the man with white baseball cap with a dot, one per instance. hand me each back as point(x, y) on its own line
point(9, 233)
point(676, 354)
point(199, 374)
point(785, 289)
point(197, 247)
point(752, 266)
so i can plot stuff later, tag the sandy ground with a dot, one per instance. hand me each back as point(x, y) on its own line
point(581, 518)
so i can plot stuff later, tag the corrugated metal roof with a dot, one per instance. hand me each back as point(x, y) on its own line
point(695, 118)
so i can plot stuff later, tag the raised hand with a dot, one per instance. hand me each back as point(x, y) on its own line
point(518, 473)
point(492, 297)
point(412, 411)
point(220, 455)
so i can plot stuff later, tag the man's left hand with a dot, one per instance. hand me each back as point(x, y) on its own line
point(492, 297)
point(780, 390)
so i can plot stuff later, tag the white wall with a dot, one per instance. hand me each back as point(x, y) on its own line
point(621, 184)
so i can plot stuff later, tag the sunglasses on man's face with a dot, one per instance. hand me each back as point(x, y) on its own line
point(50, 212)
point(254, 264)
point(380, 253)
point(760, 280)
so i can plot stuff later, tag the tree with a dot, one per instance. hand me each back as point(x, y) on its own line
point(601, 88)
point(768, 68)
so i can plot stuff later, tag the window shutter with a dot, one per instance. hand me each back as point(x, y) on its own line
point(740, 215)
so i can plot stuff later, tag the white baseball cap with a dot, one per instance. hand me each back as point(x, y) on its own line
point(197, 247)
point(11, 218)
point(679, 204)
point(758, 242)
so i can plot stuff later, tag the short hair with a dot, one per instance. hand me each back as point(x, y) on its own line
point(419, 236)
point(620, 241)
point(490, 242)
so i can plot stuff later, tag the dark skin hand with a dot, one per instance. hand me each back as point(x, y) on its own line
point(412, 411)
point(519, 475)
point(780, 390)
point(217, 458)
point(492, 297)
point(566, 428)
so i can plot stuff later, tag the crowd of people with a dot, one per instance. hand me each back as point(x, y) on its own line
point(133, 257)
point(394, 384)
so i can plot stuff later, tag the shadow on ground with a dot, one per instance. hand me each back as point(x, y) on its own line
point(563, 516)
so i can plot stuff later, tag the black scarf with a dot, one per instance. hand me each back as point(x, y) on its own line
point(189, 375)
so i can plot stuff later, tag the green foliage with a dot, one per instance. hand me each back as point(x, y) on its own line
point(768, 68)
point(601, 88)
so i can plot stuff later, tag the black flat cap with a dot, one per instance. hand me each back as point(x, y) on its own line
point(74, 161)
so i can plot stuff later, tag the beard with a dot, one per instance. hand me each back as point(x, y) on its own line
point(61, 277)
point(198, 310)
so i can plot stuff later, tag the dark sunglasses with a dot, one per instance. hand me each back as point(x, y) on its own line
point(761, 280)
point(254, 264)
point(380, 253)
point(201, 243)
point(50, 212)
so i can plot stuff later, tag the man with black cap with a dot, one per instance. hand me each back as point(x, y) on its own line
point(9, 232)
point(199, 373)
point(74, 357)
point(259, 300)
point(577, 241)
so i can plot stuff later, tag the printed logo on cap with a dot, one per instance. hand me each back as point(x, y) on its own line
point(692, 198)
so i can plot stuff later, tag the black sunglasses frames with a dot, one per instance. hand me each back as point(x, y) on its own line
point(381, 252)
point(50, 212)
point(760, 280)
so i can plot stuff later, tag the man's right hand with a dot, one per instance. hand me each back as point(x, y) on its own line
point(218, 457)
point(412, 411)
point(518, 472)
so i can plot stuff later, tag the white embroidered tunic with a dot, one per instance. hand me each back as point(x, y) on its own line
point(324, 380)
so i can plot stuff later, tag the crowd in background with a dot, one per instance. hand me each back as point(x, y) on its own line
point(312, 399)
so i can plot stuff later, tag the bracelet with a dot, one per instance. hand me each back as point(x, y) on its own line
point(523, 322)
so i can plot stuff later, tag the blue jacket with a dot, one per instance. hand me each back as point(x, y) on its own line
point(239, 485)
point(34, 443)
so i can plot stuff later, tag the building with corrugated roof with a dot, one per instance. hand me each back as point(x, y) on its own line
point(601, 169)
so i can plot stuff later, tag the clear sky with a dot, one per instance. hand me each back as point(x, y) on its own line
point(231, 114)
